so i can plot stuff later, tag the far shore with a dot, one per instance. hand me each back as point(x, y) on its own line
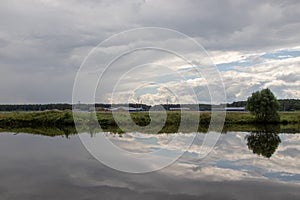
point(63, 120)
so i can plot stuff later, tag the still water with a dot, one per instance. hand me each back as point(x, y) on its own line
point(242, 165)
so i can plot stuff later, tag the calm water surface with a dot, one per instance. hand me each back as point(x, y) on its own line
point(241, 166)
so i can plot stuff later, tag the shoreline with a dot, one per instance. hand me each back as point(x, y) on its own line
point(63, 121)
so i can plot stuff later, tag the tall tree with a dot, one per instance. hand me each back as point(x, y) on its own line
point(264, 105)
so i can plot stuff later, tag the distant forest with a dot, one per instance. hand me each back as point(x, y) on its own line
point(285, 105)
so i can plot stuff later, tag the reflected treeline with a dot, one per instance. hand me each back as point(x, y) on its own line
point(66, 131)
point(290, 128)
point(264, 141)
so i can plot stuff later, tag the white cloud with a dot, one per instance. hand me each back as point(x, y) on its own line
point(274, 74)
point(229, 160)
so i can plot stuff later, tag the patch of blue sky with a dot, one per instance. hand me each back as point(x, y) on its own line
point(192, 154)
point(189, 73)
point(187, 68)
point(153, 141)
point(167, 78)
point(279, 55)
point(168, 152)
point(146, 90)
point(283, 176)
point(230, 65)
point(235, 165)
point(192, 68)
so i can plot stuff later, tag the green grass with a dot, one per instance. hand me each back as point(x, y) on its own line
point(48, 118)
point(239, 118)
point(111, 122)
point(290, 117)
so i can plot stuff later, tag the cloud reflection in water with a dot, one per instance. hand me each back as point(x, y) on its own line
point(231, 158)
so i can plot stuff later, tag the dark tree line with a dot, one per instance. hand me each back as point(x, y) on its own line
point(35, 107)
point(99, 106)
point(284, 104)
point(289, 104)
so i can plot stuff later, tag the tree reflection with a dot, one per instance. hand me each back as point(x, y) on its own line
point(264, 141)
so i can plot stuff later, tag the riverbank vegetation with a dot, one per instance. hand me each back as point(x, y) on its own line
point(110, 122)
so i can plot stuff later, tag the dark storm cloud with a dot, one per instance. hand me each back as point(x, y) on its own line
point(228, 24)
point(49, 39)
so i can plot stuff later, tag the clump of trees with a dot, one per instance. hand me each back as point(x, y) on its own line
point(285, 104)
point(264, 105)
point(289, 104)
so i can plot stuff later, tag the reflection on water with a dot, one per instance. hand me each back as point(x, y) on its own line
point(264, 141)
point(35, 167)
point(64, 131)
point(67, 131)
point(231, 158)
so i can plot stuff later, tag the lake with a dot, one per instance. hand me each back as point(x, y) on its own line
point(242, 165)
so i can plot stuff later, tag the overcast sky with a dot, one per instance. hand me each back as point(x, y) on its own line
point(254, 44)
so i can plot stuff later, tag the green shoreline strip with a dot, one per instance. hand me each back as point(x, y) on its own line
point(61, 123)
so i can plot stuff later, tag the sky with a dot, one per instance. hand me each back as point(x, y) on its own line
point(43, 45)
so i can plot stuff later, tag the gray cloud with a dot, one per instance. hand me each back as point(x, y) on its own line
point(42, 43)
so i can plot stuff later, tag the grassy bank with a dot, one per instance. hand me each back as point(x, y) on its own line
point(110, 122)
point(70, 130)
point(32, 119)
